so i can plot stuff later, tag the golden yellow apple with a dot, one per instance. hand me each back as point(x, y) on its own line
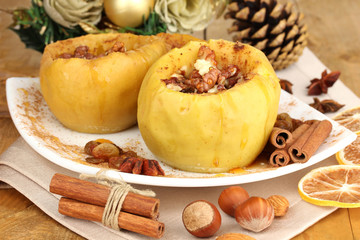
point(210, 132)
point(100, 95)
point(97, 95)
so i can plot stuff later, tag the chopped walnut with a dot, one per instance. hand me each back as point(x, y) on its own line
point(83, 52)
point(207, 54)
point(118, 47)
point(124, 161)
point(206, 77)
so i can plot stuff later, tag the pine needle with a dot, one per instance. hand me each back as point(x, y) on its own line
point(36, 29)
point(153, 25)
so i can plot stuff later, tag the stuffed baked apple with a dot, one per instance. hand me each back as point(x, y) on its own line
point(91, 83)
point(208, 107)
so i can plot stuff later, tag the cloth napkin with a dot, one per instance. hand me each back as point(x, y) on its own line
point(29, 173)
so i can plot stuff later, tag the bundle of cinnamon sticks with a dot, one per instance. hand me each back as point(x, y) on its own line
point(87, 200)
point(298, 142)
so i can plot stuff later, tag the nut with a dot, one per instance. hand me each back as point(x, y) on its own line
point(89, 146)
point(234, 236)
point(93, 160)
point(280, 205)
point(255, 214)
point(232, 197)
point(105, 151)
point(117, 161)
point(201, 218)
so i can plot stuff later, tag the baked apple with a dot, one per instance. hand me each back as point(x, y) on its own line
point(91, 83)
point(176, 40)
point(208, 106)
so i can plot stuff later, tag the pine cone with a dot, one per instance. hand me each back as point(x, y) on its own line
point(274, 28)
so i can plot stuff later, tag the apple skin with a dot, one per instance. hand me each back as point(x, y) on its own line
point(209, 132)
point(97, 95)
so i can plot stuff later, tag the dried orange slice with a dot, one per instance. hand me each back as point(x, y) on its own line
point(337, 185)
point(350, 155)
point(350, 119)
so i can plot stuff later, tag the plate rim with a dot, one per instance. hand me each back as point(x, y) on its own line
point(12, 84)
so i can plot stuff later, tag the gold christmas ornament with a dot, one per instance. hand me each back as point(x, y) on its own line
point(276, 29)
point(126, 13)
point(70, 13)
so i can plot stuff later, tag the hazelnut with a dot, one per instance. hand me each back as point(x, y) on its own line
point(280, 205)
point(201, 218)
point(232, 197)
point(255, 214)
point(234, 236)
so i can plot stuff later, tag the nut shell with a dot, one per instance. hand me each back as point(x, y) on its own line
point(201, 218)
point(280, 205)
point(255, 214)
point(231, 197)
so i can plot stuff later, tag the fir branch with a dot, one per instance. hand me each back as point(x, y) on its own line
point(36, 29)
point(152, 26)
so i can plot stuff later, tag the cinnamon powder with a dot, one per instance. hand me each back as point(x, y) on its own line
point(34, 110)
point(35, 116)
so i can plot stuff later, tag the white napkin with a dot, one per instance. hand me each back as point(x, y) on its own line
point(30, 174)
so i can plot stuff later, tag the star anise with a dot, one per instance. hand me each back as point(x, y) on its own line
point(286, 85)
point(319, 86)
point(326, 105)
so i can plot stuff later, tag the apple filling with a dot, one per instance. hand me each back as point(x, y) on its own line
point(205, 77)
point(83, 52)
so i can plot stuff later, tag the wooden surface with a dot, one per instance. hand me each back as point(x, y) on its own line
point(334, 38)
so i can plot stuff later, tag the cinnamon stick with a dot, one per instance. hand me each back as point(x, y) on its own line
point(279, 137)
point(281, 157)
point(127, 221)
point(98, 194)
point(306, 145)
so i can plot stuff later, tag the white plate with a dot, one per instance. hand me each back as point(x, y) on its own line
point(49, 138)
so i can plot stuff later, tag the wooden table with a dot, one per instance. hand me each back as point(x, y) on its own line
point(334, 38)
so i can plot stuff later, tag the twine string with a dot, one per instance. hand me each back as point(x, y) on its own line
point(118, 191)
